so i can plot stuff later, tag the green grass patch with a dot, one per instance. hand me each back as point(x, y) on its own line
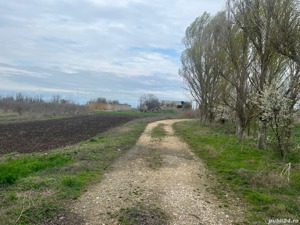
point(8, 117)
point(72, 186)
point(37, 186)
point(15, 118)
point(155, 160)
point(11, 170)
point(159, 131)
point(255, 175)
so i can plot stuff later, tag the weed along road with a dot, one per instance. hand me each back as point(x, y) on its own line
point(159, 181)
point(37, 136)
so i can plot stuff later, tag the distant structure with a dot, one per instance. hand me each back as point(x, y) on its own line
point(109, 106)
point(167, 104)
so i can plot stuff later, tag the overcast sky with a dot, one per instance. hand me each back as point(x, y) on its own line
point(83, 49)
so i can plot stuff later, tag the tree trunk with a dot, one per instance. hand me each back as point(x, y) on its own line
point(240, 132)
point(262, 135)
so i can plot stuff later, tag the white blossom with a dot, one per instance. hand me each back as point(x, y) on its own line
point(275, 110)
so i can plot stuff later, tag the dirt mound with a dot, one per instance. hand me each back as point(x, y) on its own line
point(38, 136)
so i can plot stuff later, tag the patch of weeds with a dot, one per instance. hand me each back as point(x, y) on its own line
point(155, 160)
point(259, 198)
point(93, 140)
point(111, 215)
point(269, 179)
point(38, 183)
point(210, 150)
point(97, 139)
point(8, 198)
point(36, 212)
point(158, 132)
point(141, 215)
point(71, 187)
point(278, 209)
point(136, 191)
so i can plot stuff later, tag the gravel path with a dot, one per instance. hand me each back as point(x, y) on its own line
point(178, 187)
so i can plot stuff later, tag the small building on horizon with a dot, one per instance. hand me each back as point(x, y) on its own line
point(109, 106)
point(169, 104)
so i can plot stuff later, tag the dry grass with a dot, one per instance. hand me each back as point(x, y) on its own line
point(264, 178)
point(298, 201)
point(190, 114)
point(278, 209)
point(270, 179)
point(210, 150)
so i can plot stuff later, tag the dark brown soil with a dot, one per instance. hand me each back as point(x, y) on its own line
point(38, 136)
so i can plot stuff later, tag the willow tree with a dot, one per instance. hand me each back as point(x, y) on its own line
point(285, 40)
point(237, 58)
point(200, 69)
point(216, 67)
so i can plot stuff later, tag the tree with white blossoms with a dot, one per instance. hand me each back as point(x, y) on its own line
point(252, 48)
point(275, 107)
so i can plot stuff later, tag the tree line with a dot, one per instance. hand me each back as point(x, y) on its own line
point(243, 65)
point(23, 105)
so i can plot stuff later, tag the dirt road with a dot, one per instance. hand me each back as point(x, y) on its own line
point(159, 181)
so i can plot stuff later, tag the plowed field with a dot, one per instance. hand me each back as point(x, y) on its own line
point(38, 136)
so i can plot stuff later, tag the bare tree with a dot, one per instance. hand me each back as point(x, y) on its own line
point(149, 101)
point(101, 100)
point(56, 99)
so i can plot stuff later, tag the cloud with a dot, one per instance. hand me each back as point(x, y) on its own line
point(94, 45)
point(6, 71)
